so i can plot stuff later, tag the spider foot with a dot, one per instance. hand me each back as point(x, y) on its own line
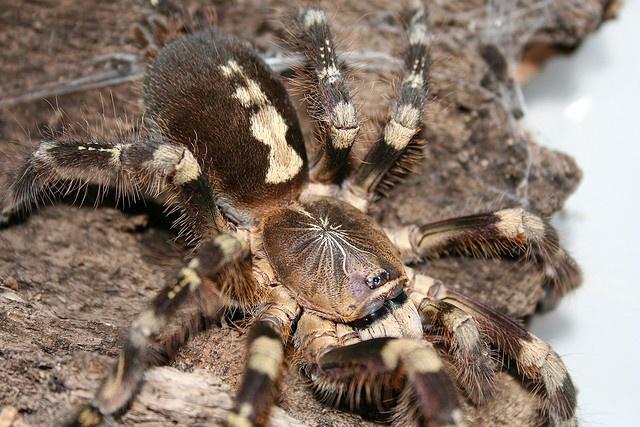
point(470, 325)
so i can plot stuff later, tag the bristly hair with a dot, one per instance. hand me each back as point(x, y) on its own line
point(372, 392)
point(413, 153)
point(305, 80)
point(39, 182)
point(407, 411)
point(360, 391)
point(404, 166)
point(322, 81)
point(214, 302)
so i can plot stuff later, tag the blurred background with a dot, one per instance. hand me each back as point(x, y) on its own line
point(586, 105)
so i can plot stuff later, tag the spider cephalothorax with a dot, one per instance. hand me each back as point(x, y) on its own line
point(292, 242)
point(334, 259)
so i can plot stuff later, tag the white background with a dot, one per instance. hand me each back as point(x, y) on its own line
point(588, 105)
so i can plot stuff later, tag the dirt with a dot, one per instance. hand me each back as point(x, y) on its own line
point(73, 278)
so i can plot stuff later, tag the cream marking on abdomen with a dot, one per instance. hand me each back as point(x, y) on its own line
point(267, 126)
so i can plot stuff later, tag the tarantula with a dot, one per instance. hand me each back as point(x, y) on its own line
point(289, 239)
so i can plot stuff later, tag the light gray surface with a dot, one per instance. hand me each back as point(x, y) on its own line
point(587, 105)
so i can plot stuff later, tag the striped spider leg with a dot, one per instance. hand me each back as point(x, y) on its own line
point(471, 331)
point(123, 382)
point(324, 84)
point(267, 339)
point(507, 232)
point(135, 166)
point(389, 158)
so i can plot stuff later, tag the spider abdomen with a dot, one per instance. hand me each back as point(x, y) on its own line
point(213, 94)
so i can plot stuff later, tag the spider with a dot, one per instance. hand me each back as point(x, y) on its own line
point(288, 239)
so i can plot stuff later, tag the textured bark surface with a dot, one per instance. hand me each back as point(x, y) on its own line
point(71, 279)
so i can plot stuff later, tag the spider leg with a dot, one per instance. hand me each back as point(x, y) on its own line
point(327, 94)
point(534, 358)
point(131, 165)
point(171, 21)
point(377, 171)
point(123, 381)
point(267, 338)
point(199, 311)
point(340, 370)
point(475, 362)
point(507, 232)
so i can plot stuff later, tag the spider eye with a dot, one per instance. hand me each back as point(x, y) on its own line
point(378, 279)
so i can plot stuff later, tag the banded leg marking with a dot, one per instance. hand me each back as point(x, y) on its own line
point(329, 99)
point(383, 164)
point(428, 382)
point(133, 166)
point(120, 386)
point(265, 356)
point(509, 232)
point(534, 358)
point(472, 357)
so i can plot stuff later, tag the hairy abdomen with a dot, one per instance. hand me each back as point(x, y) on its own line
point(213, 94)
